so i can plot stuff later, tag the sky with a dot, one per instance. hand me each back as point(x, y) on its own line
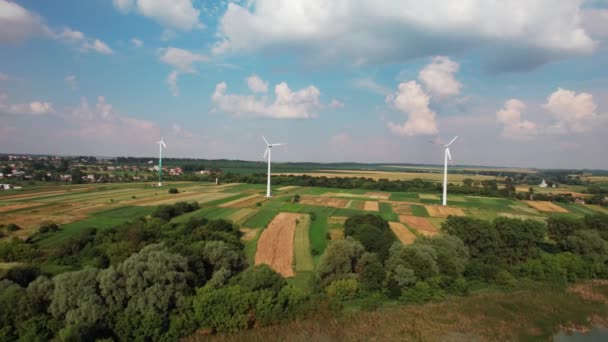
point(523, 83)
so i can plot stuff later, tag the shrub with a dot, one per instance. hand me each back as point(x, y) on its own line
point(11, 227)
point(48, 227)
point(173, 191)
point(505, 279)
point(420, 293)
point(342, 289)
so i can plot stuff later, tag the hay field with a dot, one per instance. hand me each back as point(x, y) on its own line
point(322, 201)
point(303, 258)
point(403, 234)
point(441, 211)
point(420, 224)
point(370, 205)
point(275, 245)
point(545, 206)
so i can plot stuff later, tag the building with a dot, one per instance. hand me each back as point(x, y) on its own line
point(6, 186)
point(543, 184)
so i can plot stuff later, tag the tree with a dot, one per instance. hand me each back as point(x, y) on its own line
point(371, 272)
point(339, 260)
point(560, 228)
point(479, 236)
point(261, 277)
point(518, 238)
point(76, 175)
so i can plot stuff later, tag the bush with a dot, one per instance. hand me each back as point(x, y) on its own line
point(173, 191)
point(225, 309)
point(505, 279)
point(11, 227)
point(421, 292)
point(48, 227)
point(342, 289)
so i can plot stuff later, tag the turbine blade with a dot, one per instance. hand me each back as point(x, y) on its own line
point(266, 141)
point(278, 144)
point(450, 143)
point(266, 153)
point(163, 143)
point(447, 150)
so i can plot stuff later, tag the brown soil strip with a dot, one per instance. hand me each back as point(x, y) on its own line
point(420, 224)
point(403, 234)
point(441, 211)
point(275, 245)
point(370, 205)
point(546, 206)
point(19, 206)
point(324, 201)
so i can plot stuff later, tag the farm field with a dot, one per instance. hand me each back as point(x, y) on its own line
point(289, 236)
point(428, 176)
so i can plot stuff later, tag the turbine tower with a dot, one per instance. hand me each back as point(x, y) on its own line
point(268, 151)
point(161, 144)
point(446, 155)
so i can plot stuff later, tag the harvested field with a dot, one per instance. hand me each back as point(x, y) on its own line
point(33, 221)
point(401, 208)
point(289, 187)
point(243, 202)
point(324, 201)
point(40, 193)
point(336, 220)
point(355, 204)
point(249, 234)
point(18, 206)
point(403, 234)
point(377, 195)
point(370, 205)
point(303, 258)
point(521, 217)
point(275, 245)
point(420, 224)
point(546, 206)
point(336, 234)
point(441, 211)
point(429, 196)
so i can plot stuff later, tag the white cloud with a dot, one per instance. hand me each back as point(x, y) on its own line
point(178, 131)
point(71, 81)
point(256, 84)
point(175, 14)
point(371, 85)
point(70, 35)
point(336, 104)
point(18, 24)
point(572, 113)
point(438, 77)
point(172, 82)
point(514, 127)
point(288, 104)
point(411, 99)
point(97, 46)
point(31, 108)
point(182, 60)
point(372, 32)
point(137, 42)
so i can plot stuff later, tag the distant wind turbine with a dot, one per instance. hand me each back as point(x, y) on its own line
point(161, 144)
point(269, 147)
point(446, 155)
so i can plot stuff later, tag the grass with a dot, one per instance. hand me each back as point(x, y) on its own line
point(386, 212)
point(404, 196)
point(525, 314)
point(261, 219)
point(303, 258)
point(247, 187)
point(419, 210)
point(251, 247)
point(101, 220)
point(226, 199)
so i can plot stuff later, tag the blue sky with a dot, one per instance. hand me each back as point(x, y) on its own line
point(523, 83)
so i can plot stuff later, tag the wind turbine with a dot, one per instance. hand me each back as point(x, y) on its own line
point(446, 155)
point(268, 151)
point(161, 144)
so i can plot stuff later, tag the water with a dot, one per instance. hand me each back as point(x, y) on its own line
point(595, 335)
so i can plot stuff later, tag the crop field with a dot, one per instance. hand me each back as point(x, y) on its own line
point(289, 235)
point(428, 176)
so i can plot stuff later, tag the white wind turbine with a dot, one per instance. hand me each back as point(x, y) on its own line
point(268, 151)
point(446, 155)
point(161, 144)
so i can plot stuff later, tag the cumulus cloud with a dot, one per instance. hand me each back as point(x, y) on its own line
point(376, 32)
point(335, 104)
point(30, 108)
point(438, 77)
point(71, 81)
point(183, 60)
point(595, 22)
point(175, 14)
point(572, 113)
point(184, 63)
point(288, 104)
point(411, 99)
point(137, 42)
point(18, 24)
point(514, 127)
point(97, 46)
point(256, 84)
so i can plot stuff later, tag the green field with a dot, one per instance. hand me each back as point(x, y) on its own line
point(103, 206)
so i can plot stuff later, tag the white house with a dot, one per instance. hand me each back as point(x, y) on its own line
point(543, 184)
